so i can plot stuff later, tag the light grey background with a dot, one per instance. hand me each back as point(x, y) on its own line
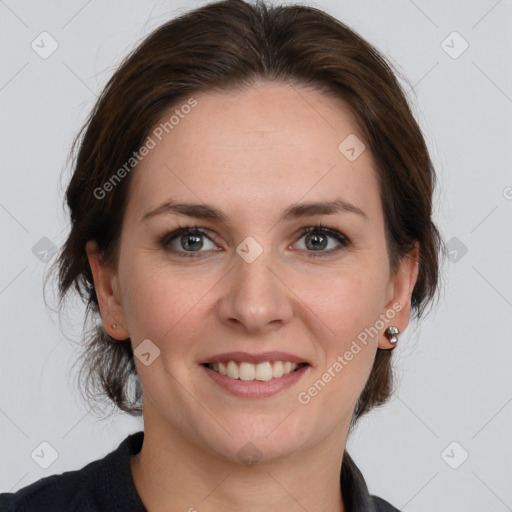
point(454, 379)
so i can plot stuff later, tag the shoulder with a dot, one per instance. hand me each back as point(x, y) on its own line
point(67, 492)
point(382, 505)
point(107, 480)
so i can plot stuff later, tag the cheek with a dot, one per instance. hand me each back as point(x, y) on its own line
point(348, 310)
point(347, 301)
point(157, 301)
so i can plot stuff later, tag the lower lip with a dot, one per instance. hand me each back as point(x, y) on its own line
point(255, 388)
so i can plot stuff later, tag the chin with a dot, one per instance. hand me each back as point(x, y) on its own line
point(257, 443)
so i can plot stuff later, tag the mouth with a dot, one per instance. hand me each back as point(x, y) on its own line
point(246, 371)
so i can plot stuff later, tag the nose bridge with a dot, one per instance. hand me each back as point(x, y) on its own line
point(254, 277)
point(255, 297)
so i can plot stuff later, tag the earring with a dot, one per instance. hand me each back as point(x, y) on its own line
point(391, 333)
point(114, 326)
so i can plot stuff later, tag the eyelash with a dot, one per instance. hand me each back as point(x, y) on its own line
point(344, 242)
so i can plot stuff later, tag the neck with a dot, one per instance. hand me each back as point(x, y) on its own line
point(171, 473)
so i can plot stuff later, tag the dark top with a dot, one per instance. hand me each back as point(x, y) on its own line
point(106, 485)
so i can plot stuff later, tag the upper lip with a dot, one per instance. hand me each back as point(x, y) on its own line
point(253, 358)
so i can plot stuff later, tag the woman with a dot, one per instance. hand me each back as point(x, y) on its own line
point(251, 213)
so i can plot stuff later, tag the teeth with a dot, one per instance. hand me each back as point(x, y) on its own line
point(233, 370)
point(263, 371)
point(248, 371)
point(278, 370)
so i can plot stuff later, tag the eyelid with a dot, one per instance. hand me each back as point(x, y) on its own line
point(181, 230)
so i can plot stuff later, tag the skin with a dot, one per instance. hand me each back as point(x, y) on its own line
point(251, 154)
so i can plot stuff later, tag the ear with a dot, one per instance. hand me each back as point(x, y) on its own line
point(106, 285)
point(400, 288)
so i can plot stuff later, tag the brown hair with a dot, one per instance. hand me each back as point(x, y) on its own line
point(230, 45)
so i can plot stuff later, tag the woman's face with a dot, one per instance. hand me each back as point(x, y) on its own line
point(260, 166)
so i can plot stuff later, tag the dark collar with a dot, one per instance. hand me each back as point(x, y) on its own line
point(353, 488)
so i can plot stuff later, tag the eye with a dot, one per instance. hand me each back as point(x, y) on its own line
point(187, 241)
point(316, 241)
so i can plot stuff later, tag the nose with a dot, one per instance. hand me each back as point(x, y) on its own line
point(256, 298)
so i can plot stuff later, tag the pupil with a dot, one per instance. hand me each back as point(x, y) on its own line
point(315, 240)
point(196, 244)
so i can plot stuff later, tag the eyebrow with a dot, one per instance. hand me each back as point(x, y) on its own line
point(295, 211)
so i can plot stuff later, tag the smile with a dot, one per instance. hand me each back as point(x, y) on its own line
point(246, 371)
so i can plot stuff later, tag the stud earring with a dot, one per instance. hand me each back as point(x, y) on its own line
point(391, 333)
point(114, 326)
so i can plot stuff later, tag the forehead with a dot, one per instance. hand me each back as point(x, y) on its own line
point(267, 145)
